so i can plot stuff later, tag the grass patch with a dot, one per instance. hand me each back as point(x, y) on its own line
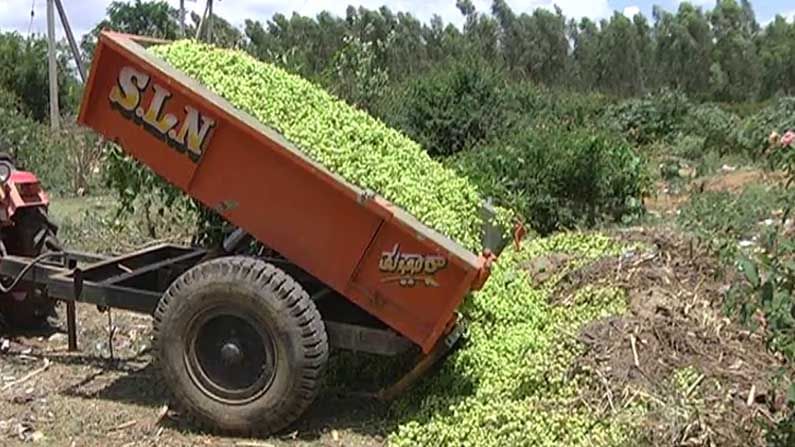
point(724, 218)
point(94, 224)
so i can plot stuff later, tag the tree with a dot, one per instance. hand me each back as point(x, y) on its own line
point(547, 49)
point(533, 46)
point(776, 46)
point(153, 19)
point(646, 50)
point(23, 72)
point(406, 43)
point(511, 42)
point(735, 69)
point(300, 44)
point(455, 107)
point(586, 54)
point(442, 42)
point(684, 49)
point(466, 7)
point(721, 54)
point(620, 60)
point(224, 34)
point(481, 33)
point(359, 79)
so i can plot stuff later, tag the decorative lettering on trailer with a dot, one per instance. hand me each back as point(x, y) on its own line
point(189, 137)
point(409, 268)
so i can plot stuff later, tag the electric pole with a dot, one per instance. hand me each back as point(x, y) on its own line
point(201, 22)
point(53, 68)
point(182, 18)
point(210, 21)
point(71, 38)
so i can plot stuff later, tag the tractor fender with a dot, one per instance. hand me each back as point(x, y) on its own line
point(22, 190)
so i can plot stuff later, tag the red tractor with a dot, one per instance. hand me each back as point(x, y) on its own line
point(25, 230)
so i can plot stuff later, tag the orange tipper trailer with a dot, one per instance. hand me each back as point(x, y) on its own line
point(242, 341)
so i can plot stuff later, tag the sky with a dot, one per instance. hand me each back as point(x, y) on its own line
point(84, 14)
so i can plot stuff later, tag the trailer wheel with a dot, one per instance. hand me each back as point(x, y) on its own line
point(241, 346)
point(33, 234)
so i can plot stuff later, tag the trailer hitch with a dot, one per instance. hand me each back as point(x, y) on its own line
point(71, 264)
point(26, 269)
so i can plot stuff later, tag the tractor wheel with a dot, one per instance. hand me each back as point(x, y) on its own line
point(33, 234)
point(240, 345)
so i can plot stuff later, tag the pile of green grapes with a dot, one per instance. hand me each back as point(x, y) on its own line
point(345, 140)
point(508, 386)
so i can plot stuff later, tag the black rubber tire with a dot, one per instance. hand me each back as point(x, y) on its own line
point(6, 157)
point(33, 234)
point(271, 297)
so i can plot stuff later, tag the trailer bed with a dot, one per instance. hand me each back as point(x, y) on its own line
point(354, 241)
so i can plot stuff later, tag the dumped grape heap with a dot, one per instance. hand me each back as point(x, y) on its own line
point(508, 386)
point(344, 139)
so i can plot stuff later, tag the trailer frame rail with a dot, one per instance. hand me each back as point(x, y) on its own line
point(136, 281)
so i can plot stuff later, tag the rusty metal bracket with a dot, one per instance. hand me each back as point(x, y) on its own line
point(439, 351)
point(71, 311)
point(364, 339)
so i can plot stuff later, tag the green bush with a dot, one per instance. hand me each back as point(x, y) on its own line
point(93, 224)
point(8, 100)
point(562, 108)
point(688, 146)
point(29, 142)
point(454, 108)
point(766, 294)
point(754, 132)
point(20, 135)
point(76, 153)
point(651, 118)
point(724, 218)
point(716, 126)
point(66, 162)
point(23, 71)
point(560, 179)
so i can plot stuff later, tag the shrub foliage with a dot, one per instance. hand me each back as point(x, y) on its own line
point(560, 179)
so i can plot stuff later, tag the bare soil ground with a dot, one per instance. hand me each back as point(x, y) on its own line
point(52, 397)
point(666, 200)
point(703, 379)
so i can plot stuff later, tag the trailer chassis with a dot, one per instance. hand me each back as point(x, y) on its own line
point(136, 281)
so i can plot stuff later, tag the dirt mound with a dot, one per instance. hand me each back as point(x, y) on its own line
point(702, 379)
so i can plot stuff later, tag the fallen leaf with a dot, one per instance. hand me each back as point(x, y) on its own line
point(127, 424)
point(253, 444)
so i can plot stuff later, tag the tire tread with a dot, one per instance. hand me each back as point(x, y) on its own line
point(303, 320)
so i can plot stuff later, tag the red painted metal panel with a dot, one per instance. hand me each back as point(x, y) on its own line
point(22, 190)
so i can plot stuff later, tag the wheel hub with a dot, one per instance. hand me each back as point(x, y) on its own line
point(230, 356)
